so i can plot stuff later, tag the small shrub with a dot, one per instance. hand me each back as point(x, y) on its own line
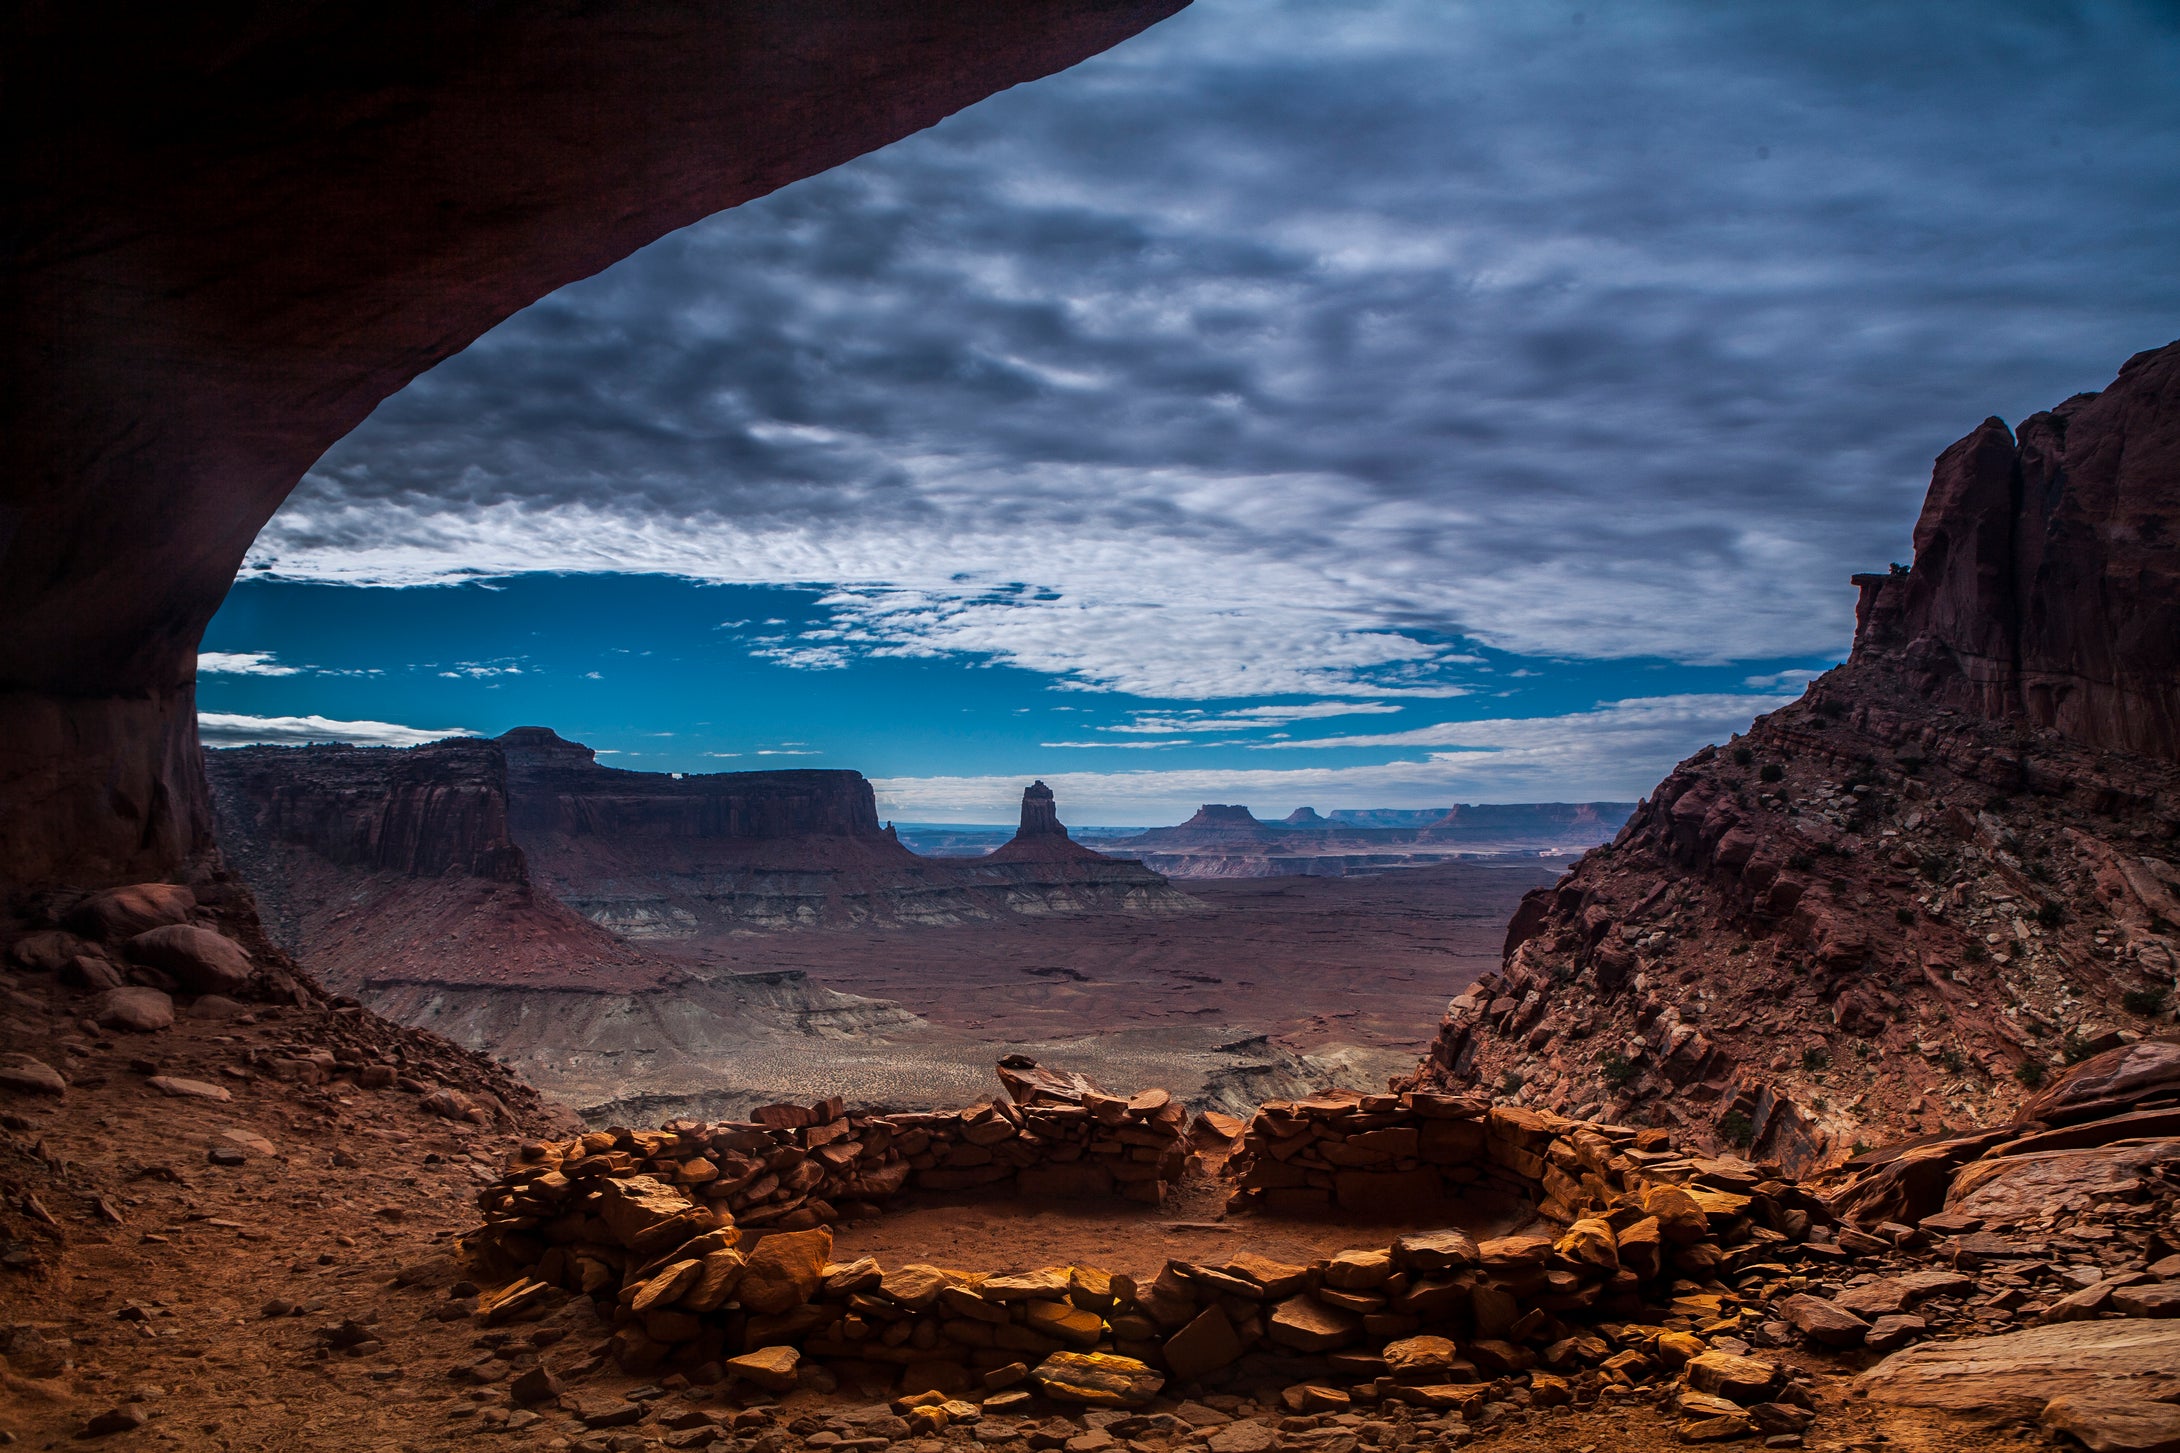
point(2040, 872)
point(1954, 1061)
point(1734, 1128)
point(2074, 1049)
point(2051, 915)
point(1861, 1148)
point(1770, 772)
point(1742, 756)
point(1936, 867)
point(2030, 1073)
point(1975, 952)
point(1903, 916)
point(1616, 1069)
point(1816, 1058)
point(1912, 766)
point(2145, 1003)
point(1801, 862)
point(1511, 1082)
point(1862, 1046)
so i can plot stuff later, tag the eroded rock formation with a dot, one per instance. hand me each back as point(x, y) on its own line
point(217, 269)
point(1896, 905)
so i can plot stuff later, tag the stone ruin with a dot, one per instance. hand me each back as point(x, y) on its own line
point(652, 1224)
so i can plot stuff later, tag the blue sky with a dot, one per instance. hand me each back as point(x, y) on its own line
point(1384, 404)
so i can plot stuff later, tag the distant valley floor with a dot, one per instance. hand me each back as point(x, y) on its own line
point(1352, 972)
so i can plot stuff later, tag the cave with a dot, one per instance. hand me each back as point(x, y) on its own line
point(237, 230)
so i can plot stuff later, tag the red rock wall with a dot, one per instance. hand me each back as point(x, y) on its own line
point(2046, 581)
point(234, 231)
point(423, 812)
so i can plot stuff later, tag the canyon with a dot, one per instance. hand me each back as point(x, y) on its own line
point(1935, 900)
point(581, 921)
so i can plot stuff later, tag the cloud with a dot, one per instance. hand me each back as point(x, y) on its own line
point(482, 669)
point(1247, 718)
point(1781, 678)
point(1610, 753)
point(242, 663)
point(227, 729)
point(1298, 349)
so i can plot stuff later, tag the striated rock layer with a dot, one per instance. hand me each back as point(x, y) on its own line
point(1896, 905)
point(513, 895)
point(215, 272)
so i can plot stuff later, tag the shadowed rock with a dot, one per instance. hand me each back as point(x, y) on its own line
point(234, 231)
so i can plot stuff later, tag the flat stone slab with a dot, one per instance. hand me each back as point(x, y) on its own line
point(2115, 1423)
point(2021, 1188)
point(2015, 1375)
point(180, 1088)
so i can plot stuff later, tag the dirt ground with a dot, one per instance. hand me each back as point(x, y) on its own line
point(143, 1278)
point(1366, 960)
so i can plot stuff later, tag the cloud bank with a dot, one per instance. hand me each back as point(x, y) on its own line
point(1607, 754)
point(1292, 348)
point(230, 729)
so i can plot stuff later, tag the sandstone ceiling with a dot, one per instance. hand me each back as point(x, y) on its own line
point(233, 233)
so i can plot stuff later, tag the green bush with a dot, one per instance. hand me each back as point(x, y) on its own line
point(1511, 1082)
point(1615, 1068)
point(2075, 1049)
point(1742, 756)
point(2051, 915)
point(2145, 1002)
point(1816, 1058)
point(2030, 1073)
point(1770, 772)
point(1953, 1060)
point(1734, 1128)
point(1903, 916)
point(1975, 952)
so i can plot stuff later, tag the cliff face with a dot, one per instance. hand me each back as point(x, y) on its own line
point(2046, 583)
point(1897, 904)
point(422, 812)
point(215, 272)
point(654, 859)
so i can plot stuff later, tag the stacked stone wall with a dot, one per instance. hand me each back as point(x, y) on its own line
point(1430, 1317)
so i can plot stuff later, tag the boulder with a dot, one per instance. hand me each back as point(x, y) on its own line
point(648, 1216)
point(2015, 1189)
point(1745, 1380)
point(1308, 1325)
point(785, 1270)
point(178, 1087)
point(1206, 1344)
point(138, 1010)
point(2108, 1083)
point(2015, 1375)
point(775, 1369)
point(1890, 1294)
point(1825, 1323)
point(201, 961)
point(120, 913)
point(1097, 1379)
point(44, 953)
point(2115, 1422)
point(26, 1075)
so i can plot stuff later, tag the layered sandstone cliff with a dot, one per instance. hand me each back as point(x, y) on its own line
point(529, 824)
point(1899, 903)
